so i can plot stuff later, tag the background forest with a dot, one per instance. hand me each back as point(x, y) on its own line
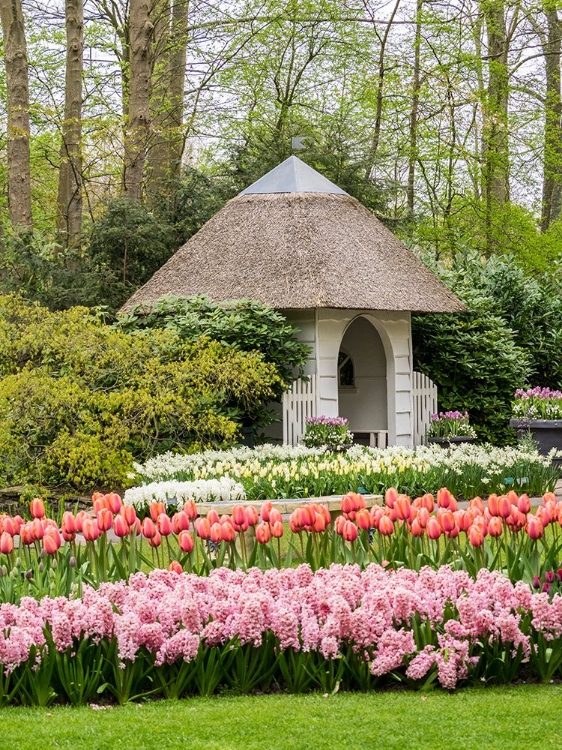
point(125, 124)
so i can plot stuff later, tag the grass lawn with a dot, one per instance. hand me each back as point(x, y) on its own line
point(480, 719)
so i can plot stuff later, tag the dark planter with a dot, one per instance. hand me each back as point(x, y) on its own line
point(450, 441)
point(547, 434)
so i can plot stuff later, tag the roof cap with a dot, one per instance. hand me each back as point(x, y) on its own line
point(293, 176)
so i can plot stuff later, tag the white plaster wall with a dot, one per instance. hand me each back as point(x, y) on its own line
point(394, 329)
point(365, 405)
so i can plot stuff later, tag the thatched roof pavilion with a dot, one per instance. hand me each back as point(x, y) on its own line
point(294, 240)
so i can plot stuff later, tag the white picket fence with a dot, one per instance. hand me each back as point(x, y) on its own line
point(299, 402)
point(424, 392)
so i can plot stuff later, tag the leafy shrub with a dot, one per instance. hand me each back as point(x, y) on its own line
point(245, 325)
point(79, 400)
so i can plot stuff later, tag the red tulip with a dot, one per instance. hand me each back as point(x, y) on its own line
point(433, 528)
point(37, 508)
point(180, 522)
point(105, 519)
point(263, 533)
point(202, 528)
point(185, 541)
point(164, 524)
point(6, 543)
point(495, 526)
point(191, 509)
point(175, 567)
point(475, 536)
point(386, 527)
point(148, 528)
point(350, 531)
point(252, 515)
point(113, 502)
point(534, 528)
point(51, 541)
point(120, 526)
point(90, 529)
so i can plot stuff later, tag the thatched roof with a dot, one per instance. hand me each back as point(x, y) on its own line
point(303, 243)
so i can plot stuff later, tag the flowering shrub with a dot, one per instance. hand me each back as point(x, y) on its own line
point(331, 432)
point(449, 424)
point(182, 634)
point(270, 472)
point(175, 494)
point(537, 403)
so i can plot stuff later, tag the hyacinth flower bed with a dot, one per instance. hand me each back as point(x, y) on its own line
point(173, 634)
point(38, 557)
point(275, 472)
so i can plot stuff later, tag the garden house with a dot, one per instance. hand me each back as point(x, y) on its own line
point(296, 242)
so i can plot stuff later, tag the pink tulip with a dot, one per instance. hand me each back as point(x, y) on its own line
point(277, 529)
point(164, 524)
point(213, 517)
point(180, 522)
point(6, 543)
point(363, 519)
point(228, 533)
point(475, 536)
point(175, 567)
point(51, 541)
point(263, 533)
point(350, 531)
point(185, 541)
point(113, 502)
point(68, 522)
point(120, 526)
point(202, 528)
point(156, 540)
point(252, 516)
point(216, 532)
point(417, 528)
point(275, 516)
point(191, 509)
point(37, 508)
point(390, 497)
point(239, 515)
point(265, 510)
point(105, 519)
point(38, 529)
point(90, 529)
point(495, 526)
point(433, 528)
point(504, 506)
point(148, 528)
point(534, 528)
point(386, 527)
point(427, 501)
point(447, 520)
point(402, 506)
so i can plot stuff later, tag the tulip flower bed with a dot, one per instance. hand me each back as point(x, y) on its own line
point(176, 634)
point(39, 558)
point(270, 472)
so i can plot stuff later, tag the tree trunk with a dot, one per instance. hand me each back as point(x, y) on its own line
point(495, 146)
point(413, 153)
point(69, 201)
point(552, 175)
point(167, 103)
point(138, 121)
point(17, 85)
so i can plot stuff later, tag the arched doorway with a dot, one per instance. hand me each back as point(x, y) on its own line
point(362, 380)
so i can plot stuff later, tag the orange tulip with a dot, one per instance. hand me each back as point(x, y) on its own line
point(191, 509)
point(277, 529)
point(386, 527)
point(213, 517)
point(350, 531)
point(495, 526)
point(202, 528)
point(263, 533)
point(363, 519)
point(6, 543)
point(216, 532)
point(276, 517)
point(26, 533)
point(105, 519)
point(475, 536)
point(390, 497)
point(90, 529)
point(37, 508)
point(155, 509)
point(447, 520)
point(402, 506)
point(427, 501)
point(38, 529)
point(185, 541)
point(504, 506)
point(51, 541)
point(68, 522)
point(265, 510)
point(252, 515)
point(180, 522)
point(417, 528)
point(423, 517)
point(228, 532)
point(444, 498)
point(175, 567)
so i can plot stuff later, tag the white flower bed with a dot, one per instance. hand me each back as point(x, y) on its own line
point(176, 493)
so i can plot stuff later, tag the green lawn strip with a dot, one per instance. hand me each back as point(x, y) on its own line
point(513, 717)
